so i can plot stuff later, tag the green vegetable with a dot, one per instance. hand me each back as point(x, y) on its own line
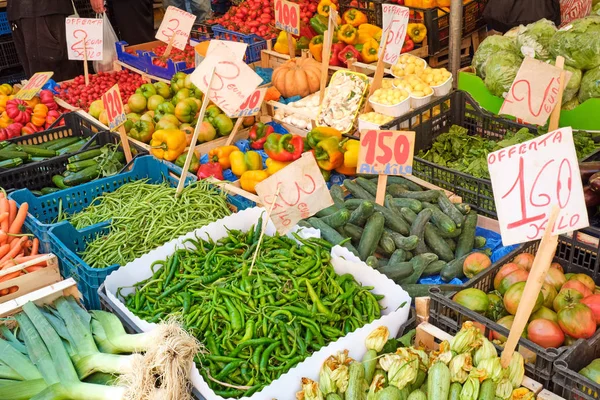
point(337, 219)
point(437, 244)
point(367, 185)
point(417, 395)
point(371, 235)
point(408, 214)
point(59, 181)
point(450, 210)
point(412, 204)
point(534, 39)
point(455, 389)
point(85, 155)
point(491, 45)
point(419, 262)
point(337, 194)
point(62, 143)
point(330, 234)
point(454, 269)
point(590, 85)
point(438, 382)
point(83, 176)
point(443, 222)
point(405, 243)
point(418, 229)
point(397, 271)
point(580, 44)
point(500, 72)
point(464, 245)
point(10, 154)
point(487, 390)
point(360, 215)
point(11, 163)
point(386, 243)
point(434, 268)
point(357, 191)
point(35, 151)
point(76, 166)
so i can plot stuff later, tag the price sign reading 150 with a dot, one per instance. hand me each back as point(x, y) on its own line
point(386, 152)
point(287, 16)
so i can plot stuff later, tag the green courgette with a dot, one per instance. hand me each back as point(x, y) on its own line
point(417, 395)
point(464, 244)
point(371, 235)
point(455, 389)
point(11, 147)
point(369, 362)
point(64, 142)
point(443, 222)
point(368, 185)
point(83, 176)
point(419, 262)
point(337, 219)
point(390, 393)
point(330, 234)
point(487, 390)
point(450, 209)
point(360, 215)
point(438, 382)
point(413, 204)
point(421, 376)
point(48, 190)
point(356, 376)
point(85, 155)
point(337, 194)
point(11, 163)
point(434, 268)
point(437, 244)
point(35, 151)
point(10, 154)
point(408, 214)
point(357, 191)
point(3, 144)
point(77, 166)
point(454, 269)
point(59, 181)
point(418, 229)
point(72, 148)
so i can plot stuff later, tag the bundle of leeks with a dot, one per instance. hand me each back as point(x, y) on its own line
point(65, 353)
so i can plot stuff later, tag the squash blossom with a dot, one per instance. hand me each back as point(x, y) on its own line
point(487, 350)
point(404, 371)
point(504, 389)
point(443, 354)
point(522, 394)
point(310, 391)
point(338, 365)
point(326, 383)
point(493, 368)
point(377, 339)
point(341, 377)
point(467, 339)
point(470, 390)
point(376, 385)
point(459, 367)
point(516, 369)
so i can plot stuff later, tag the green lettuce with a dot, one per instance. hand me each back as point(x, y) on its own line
point(578, 43)
point(492, 45)
point(590, 85)
point(533, 40)
point(500, 72)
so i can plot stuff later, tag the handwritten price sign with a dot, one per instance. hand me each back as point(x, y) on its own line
point(176, 23)
point(287, 16)
point(386, 152)
point(251, 106)
point(529, 178)
point(395, 21)
point(233, 83)
point(33, 86)
point(534, 92)
point(114, 107)
point(302, 193)
point(84, 34)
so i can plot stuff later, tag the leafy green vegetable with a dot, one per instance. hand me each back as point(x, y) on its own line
point(536, 37)
point(590, 85)
point(578, 43)
point(500, 72)
point(492, 45)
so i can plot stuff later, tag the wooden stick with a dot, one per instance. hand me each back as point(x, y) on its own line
point(540, 267)
point(236, 127)
point(85, 66)
point(290, 45)
point(262, 232)
point(125, 143)
point(169, 46)
point(188, 158)
point(555, 116)
point(379, 70)
point(381, 186)
point(327, 40)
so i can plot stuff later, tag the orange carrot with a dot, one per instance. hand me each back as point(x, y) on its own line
point(3, 237)
point(12, 211)
point(14, 251)
point(35, 247)
point(33, 268)
point(12, 289)
point(22, 259)
point(3, 216)
point(4, 207)
point(10, 276)
point(4, 249)
point(3, 292)
point(16, 225)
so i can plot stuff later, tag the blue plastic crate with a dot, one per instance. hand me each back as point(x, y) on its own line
point(44, 210)
point(255, 43)
point(4, 24)
point(142, 60)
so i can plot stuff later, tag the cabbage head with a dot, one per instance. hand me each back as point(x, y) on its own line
point(573, 85)
point(596, 9)
point(491, 45)
point(571, 104)
point(578, 43)
point(500, 72)
point(590, 85)
point(536, 37)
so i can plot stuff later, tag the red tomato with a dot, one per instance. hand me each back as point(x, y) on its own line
point(593, 302)
point(545, 333)
point(577, 321)
point(577, 285)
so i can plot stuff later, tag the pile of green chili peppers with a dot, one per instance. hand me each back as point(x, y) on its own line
point(255, 325)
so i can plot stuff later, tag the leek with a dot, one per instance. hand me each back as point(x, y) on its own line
point(23, 390)
point(112, 338)
point(18, 362)
point(7, 372)
point(12, 339)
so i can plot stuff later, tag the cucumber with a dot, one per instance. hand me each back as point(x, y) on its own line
point(479, 242)
point(36, 193)
point(434, 268)
point(369, 362)
point(465, 242)
point(368, 185)
point(304, 224)
point(408, 214)
point(398, 256)
point(354, 232)
point(48, 190)
point(455, 389)
point(413, 204)
point(387, 243)
point(417, 395)
point(393, 220)
point(372, 262)
point(10, 154)
point(64, 142)
point(487, 390)
point(337, 219)
point(450, 210)
point(421, 290)
point(356, 374)
point(418, 229)
point(443, 222)
point(77, 166)
point(11, 163)
point(437, 244)
point(397, 271)
point(438, 382)
point(371, 235)
point(360, 215)
point(58, 180)
point(463, 208)
point(419, 262)
point(330, 234)
point(451, 244)
point(35, 151)
point(409, 255)
point(452, 235)
point(85, 155)
point(389, 393)
point(353, 204)
point(337, 194)
point(327, 211)
point(454, 269)
point(410, 185)
point(426, 195)
point(357, 191)
point(404, 243)
point(83, 176)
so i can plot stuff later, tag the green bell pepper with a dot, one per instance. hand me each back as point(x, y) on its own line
point(142, 131)
point(194, 165)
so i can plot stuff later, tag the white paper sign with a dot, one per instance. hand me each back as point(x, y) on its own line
point(251, 106)
point(395, 21)
point(528, 179)
point(237, 48)
point(233, 83)
point(176, 22)
point(302, 193)
point(84, 33)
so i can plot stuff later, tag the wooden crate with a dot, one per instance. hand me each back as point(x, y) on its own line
point(441, 59)
point(45, 295)
point(32, 281)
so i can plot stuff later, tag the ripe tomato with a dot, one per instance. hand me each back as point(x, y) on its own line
point(577, 321)
point(545, 333)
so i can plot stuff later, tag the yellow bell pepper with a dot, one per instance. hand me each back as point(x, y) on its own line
point(274, 166)
point(350, 149)
point(370, 51)
point(354, 17)
point(250, 179)
point(3, 100)
point(242, 162)
point(416, 32)
point(347, 34)
point(5, 120)
point(221, 155)
point(324, 7)
point(168, 144)
point(33, 102)
point(368, 31)
point(281, 45)
point(6, 89)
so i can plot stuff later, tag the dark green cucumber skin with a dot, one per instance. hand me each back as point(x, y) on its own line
point(437, 244)
point(337, 219)
point(398, 256)
point(479, 242)
point(434, 268)
point(419, 262)
point(367, 185)
point(330, 234)
point(397, 271)
point(327, 211)
point(418, 229)
point(454, 269)
point(405, 243)
point(48, 190)
point(413, 204)
point(83, 176)
point(451, 243)
point(450, 210)
point(427, 195)
point(463, 208)
point(10, 154)
point(354, 232)
point(404, 182)
point(443, 222)
point(357, 191)
point(387, 243)
point(360, 215)
point(464, 244)
point(408, 214)
point(372, 262)
point(80, 165)
point(371, 235)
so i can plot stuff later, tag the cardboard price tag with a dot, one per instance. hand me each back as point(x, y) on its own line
point(33, 86)
point(287, 16)
point(178, 23)
point(233, 83)
point(237, 48)
point(84, 34)
point(302, 193)
point(534, 92)
point(114, 107)
point(529, 178)
point(251, 106)
point(395, 20)
point(386, 152)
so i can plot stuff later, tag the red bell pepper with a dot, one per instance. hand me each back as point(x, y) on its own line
point(258, 135)
point(47, 99)
point(284, 147)
point(210, 169)
point(408, 45)
point(52, 116)
point(347, 53)
point(14, 130)
point(18, 111)
point(335, 50)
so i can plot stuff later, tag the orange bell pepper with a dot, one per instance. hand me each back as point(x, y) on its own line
point(221, 155)
point(5, 120)
point(40, 112)
point(33, 102)
point(3, 100)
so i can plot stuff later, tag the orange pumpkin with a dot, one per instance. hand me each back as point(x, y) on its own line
point(298, 77)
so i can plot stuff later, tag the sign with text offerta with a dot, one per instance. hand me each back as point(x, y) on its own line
point(534, 92)
point(113, 104)
point(302, 193)
point(251, 106)
point(531, 177)
point(287, 16)
point(33, 86)
point(84, 34)
point(386, 152)
point(233, 83)
point(395, 21)
point(178, 23)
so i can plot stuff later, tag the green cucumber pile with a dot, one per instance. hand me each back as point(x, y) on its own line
point(416, 233)
point(13, 155)
point(255, 324)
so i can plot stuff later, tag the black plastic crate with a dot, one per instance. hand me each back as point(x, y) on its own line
point(12, 76)
point(430, 121)
point(568, 382)
point(372, 9)
point(8, 52)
